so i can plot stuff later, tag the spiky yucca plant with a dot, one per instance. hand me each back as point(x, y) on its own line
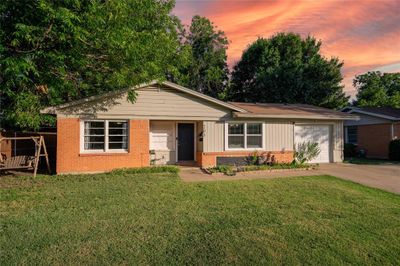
point(306, 151)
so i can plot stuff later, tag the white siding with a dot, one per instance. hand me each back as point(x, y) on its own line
point(154, 103)
point(213, 140)
point(279, 136)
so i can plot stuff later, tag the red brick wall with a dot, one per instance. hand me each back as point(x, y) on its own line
point(209, 159)
point(69, 159)
point(374, 139)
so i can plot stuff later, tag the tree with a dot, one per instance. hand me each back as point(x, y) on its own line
point(204, 66)
point(57, 51)
point(288, 69)
point(375, 89)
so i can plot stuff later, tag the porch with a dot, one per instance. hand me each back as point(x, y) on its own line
point(175, 142)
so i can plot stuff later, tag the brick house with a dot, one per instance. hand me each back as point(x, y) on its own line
point(170, 124)
point(375, 129)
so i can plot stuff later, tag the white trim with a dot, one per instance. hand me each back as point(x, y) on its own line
point(106, 136)
point(54, 109)
point(293, 116)
point(263, 130)
point(392, 131)
point(194, 138)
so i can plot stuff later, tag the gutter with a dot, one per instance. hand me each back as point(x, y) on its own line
point(322, 117)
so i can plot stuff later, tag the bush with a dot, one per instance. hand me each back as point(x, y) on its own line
point(306, 151)
point(293, 165)
point(350, 150)
point(394, 150)
point(230, 170)
point(226, 169)
point(148, 170)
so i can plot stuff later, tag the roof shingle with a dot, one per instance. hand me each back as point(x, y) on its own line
point(289, 111)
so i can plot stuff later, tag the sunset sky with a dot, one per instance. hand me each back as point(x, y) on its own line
point(364, 34)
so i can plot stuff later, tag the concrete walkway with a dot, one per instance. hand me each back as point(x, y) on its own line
point(386, 177)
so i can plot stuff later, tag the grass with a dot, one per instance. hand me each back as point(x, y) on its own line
point(155, 218)
point(369, 161)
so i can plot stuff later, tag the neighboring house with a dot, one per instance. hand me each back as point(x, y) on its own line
point(375, 129)
point(169, 124)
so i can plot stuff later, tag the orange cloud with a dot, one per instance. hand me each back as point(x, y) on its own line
point(364, 34)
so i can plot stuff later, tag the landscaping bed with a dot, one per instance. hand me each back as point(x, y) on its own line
point(232, 170)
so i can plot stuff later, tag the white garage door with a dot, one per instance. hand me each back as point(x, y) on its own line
point(315, 133)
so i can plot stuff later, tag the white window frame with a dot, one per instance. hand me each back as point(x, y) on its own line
point(106, 137)
point(245, 135)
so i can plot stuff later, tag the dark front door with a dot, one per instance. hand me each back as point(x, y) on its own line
point(185, 142)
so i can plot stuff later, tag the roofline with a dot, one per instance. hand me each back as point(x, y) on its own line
point(358, 110)
point(203, 96)
point(322, 117)
point(54, 109)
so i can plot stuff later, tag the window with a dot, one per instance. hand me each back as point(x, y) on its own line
point(104, 136)
point(94, 135)
point(245, 135)
point(117, 135)
point(254, 135)
point(352, 134)
point(236, 136)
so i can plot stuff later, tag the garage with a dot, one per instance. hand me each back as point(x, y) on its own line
point(315, 133)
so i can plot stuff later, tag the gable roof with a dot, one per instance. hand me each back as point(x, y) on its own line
point(297, 111)
point(381, 112)
point(54, 109)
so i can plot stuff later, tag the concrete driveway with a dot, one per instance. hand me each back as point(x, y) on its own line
point(386, 177)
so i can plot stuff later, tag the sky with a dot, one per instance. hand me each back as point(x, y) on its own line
point(365, 34)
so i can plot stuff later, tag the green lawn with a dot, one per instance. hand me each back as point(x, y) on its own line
point(124, 218)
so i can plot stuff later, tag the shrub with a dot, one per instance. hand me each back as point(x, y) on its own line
point(394, 150)
point(254, 159)
point(293, 165)
point(226, 169)
point(306, 151)
point(257, 158)
point(148, 170)
point(350, 150)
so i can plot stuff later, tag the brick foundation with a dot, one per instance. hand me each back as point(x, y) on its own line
point(70, 160)
point(209, 159)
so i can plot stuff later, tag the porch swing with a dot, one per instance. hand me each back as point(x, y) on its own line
point(25, 162)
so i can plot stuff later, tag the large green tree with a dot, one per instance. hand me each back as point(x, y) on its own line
point(203, 58)
point(376, 89)
point(288, 69)
point(57, 51)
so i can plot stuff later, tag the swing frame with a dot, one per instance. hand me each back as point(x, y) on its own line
point(39, 145)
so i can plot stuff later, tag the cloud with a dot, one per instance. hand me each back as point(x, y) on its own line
point(364, 34)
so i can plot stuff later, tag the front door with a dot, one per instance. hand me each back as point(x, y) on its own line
point(185, 142)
